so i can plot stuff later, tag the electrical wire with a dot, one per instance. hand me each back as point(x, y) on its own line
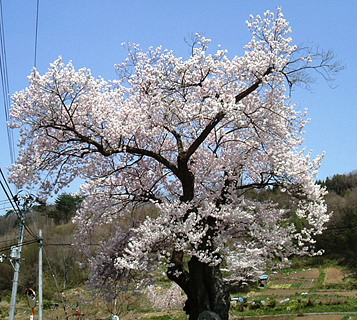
point(36, 32)
point(5, 78)
point(2, 241)
point(7, 103)
point(10, 199)
point(6, 183)
point(4, 206)
point(6, 188)
point(31, 241)
point(25, 243)
point(4, 202)
point(58, 244)
point(5, 86)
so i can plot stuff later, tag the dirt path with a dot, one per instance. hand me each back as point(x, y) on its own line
point(333, 275)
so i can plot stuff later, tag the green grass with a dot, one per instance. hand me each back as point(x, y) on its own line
point(261, 304)
point(295, 304)
point(321, 277)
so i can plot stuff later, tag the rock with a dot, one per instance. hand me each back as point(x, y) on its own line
point(208, 315)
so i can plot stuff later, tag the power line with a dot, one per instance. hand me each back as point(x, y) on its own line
point(36, 32)
point(5, 78)
point(7, 191)
point(4, 204)
point(25, 243)
point(14, 203)
point(340, 228)
point(5, 86)
point(2, 241)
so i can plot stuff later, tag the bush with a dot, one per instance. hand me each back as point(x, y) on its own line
point(309, 303)
point(271, 303)
point(255, 305)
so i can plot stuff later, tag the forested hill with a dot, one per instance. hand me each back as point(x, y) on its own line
point(341, 184)
point(339, 239)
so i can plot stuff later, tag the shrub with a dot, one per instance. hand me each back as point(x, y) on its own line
point(271, 303)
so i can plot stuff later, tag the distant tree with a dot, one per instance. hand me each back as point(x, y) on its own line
point(66, 206)
point(7, 274)
point(339, 240)
point(340, 183)
point(192, 137)
point(7, 222)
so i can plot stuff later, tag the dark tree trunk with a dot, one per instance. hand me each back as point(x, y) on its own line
point(202, 283)
point(205, 290)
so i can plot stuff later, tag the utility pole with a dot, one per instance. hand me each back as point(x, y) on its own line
point(15, 255)
point(40, 303)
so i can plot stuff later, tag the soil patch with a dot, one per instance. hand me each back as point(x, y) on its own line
point(309, 274)
point(303, 274)
point(333, 275)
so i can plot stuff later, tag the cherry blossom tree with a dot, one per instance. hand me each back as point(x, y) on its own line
point(191, 137)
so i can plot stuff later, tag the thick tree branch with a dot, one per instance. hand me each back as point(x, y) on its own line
point(253, 87)
point(155, 156)
point(220, 115)
point(133, 150)
point(194, 146)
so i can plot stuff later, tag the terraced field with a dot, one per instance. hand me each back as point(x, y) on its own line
point(303, 285)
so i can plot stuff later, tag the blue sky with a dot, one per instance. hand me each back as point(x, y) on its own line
point(90, 33)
